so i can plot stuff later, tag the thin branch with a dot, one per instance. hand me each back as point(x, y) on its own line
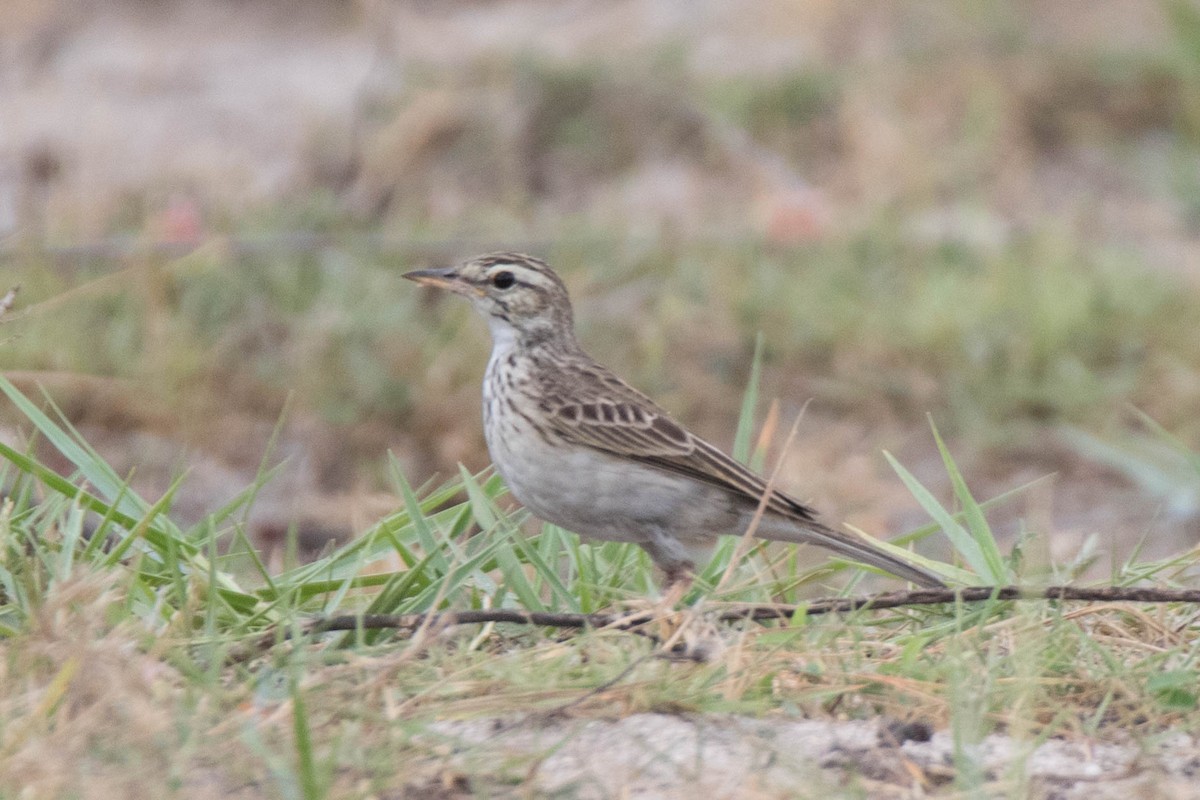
point(763, 612)
point(971, 594)
point(443, 619)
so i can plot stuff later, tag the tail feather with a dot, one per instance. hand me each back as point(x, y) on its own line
point(853, 546)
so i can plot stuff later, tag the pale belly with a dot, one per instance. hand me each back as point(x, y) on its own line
point(603, 497)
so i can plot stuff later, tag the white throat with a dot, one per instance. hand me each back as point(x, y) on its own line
point(504, 336)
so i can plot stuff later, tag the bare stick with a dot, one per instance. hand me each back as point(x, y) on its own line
point(763, 612)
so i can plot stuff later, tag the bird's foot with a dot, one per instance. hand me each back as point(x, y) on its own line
point(679, 580)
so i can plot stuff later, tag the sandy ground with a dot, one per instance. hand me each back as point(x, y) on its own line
point(228, 105)
point(667, 756)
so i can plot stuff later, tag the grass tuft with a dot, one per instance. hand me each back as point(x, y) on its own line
point(111, 611)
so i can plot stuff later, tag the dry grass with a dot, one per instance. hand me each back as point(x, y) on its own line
point(91, 708)
point(136, 669)
point(986, 214)
point(88, 719)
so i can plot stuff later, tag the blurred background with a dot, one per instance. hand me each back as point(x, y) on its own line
point(984, 214)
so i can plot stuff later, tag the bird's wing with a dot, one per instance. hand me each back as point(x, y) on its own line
point(604, 412)
point(597, 409)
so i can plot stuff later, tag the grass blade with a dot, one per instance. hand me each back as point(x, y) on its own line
point(959, 538)
point(977, 524)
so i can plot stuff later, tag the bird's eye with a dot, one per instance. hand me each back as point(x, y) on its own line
point(503, 279)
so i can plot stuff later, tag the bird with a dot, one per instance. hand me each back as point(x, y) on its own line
point(582, 449)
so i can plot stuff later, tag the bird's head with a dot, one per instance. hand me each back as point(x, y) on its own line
point(520, 296)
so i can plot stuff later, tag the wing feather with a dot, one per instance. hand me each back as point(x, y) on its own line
point(615, 418)
point(600, 410)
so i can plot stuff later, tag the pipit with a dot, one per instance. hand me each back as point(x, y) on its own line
point(582, 449)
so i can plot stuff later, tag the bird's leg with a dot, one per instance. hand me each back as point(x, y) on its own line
point(668, 553)
point(679, 580)
point(684, 634)
point(679, 577)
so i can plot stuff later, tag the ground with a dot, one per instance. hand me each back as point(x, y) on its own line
point(983, 218)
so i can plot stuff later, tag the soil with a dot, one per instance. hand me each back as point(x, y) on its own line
point(186, 111)
point(672, 756)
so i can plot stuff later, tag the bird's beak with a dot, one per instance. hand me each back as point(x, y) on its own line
point(443, 278)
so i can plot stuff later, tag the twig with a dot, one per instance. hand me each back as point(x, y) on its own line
point(755, 612)
point(970, 594)
point(441, 619)
point(763, 612)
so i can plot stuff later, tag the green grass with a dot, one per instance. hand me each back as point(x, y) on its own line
point(141, 656)
point(109, 611)
point(1042, 331)
point(112, 610)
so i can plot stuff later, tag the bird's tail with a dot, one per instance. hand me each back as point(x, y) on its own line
point(851, 545)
